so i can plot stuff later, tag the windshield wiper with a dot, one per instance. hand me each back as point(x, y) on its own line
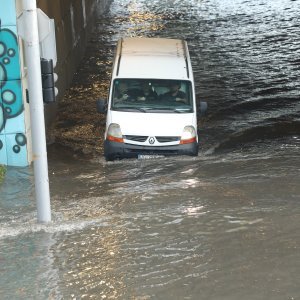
point(169, 109)
point(130, 108)
point(151, 109)
point(160, 109)
point(181, 110)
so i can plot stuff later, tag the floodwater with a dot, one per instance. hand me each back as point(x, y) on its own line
point(224, 225)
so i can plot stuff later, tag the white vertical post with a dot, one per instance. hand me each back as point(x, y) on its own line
point(32, 54)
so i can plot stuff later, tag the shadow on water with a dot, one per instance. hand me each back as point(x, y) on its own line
point(257, 135)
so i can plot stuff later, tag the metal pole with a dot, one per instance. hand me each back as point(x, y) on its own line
point(40, 163)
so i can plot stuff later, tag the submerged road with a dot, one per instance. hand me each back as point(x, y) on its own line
point(224, 225)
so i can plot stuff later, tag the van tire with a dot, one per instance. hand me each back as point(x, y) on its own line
point(109, 158)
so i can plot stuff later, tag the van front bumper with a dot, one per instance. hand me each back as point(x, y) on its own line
point(114, 150)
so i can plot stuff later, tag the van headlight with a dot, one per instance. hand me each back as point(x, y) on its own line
point(114, 133)
point(188, 135)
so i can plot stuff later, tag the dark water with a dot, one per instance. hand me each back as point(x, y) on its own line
point(224, 225)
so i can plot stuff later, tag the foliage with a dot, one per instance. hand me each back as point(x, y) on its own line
point(2, 173)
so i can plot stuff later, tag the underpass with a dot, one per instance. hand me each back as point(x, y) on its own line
point(223, 225)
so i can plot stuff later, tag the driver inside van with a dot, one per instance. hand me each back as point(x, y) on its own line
point(175, 94)
point(122, 93)
point(125, 93)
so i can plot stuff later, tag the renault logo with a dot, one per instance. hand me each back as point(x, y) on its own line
point(151, 140)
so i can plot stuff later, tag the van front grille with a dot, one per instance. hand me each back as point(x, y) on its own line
point(167, 139)
point(136, 138)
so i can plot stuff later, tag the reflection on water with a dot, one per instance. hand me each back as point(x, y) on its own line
point(162, 229)
point(223, 225)
point(16, 194)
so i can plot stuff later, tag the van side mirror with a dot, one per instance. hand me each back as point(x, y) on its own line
point(202, 108)
point(101, 106)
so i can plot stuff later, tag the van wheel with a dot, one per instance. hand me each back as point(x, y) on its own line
point(109, 158)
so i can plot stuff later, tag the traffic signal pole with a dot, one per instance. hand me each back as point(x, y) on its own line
point(40, 163)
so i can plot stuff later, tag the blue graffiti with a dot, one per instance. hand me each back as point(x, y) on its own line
point(2, 119)
point(11, 96)
point(13, 140)
point(20, 139)
point(8, 54)
point(11, 104)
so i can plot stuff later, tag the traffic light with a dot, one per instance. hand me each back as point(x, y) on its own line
point(48, 80)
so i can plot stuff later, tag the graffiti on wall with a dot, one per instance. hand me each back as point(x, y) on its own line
point(12, 124)
point(11, 96)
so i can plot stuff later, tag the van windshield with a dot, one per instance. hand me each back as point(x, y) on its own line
point(152, 95)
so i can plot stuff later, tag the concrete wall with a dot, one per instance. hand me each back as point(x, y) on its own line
point(74, 21)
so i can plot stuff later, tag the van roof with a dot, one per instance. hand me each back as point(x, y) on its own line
point(152, 58)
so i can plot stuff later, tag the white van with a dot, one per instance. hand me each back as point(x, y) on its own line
point(151, 109)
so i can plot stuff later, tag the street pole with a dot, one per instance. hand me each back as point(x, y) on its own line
point(40, 163)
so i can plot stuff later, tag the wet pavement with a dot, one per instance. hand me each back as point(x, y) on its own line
point(224, 225)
